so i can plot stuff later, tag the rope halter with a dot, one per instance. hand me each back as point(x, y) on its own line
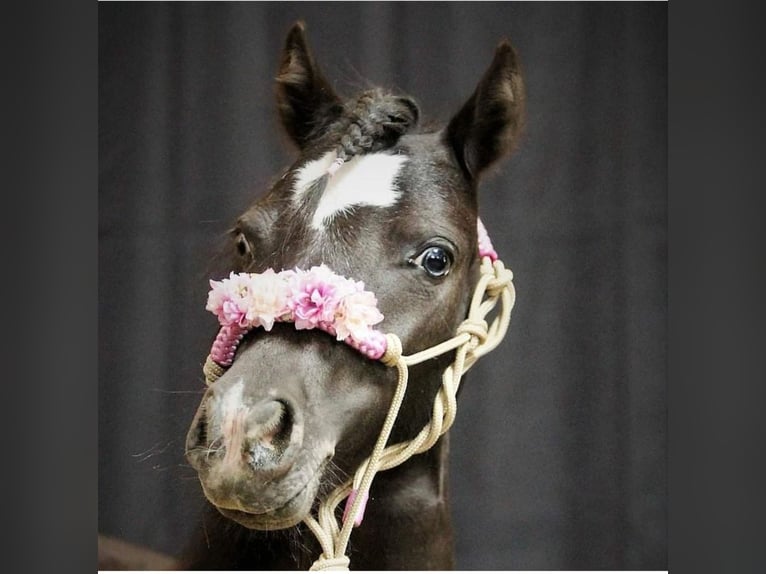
point(349, 313)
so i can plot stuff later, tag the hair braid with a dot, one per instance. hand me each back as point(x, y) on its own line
point(375, 121)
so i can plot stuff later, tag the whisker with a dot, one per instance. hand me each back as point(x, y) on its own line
point(153, 451)
point(178, 392)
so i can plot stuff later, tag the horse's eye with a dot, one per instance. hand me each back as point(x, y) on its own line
point(243, 246)
point(435, 260)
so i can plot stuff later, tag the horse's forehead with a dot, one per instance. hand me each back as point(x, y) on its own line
point(365, 180)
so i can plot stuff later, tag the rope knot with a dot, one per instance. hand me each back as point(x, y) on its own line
point(393, 351)
point(324, 563)
point(213, 371)
point(476, 328)
point(502, 280)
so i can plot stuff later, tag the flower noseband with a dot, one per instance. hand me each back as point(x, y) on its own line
point(315, 298)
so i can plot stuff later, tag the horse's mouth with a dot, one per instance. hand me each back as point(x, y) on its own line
point(292, 513)
point(275, 516)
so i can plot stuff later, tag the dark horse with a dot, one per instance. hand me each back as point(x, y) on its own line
point(292, 413)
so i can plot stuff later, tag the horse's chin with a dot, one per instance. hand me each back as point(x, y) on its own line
point(292, 513)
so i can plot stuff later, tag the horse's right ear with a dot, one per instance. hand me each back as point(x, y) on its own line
point(305, 100)
point(489, 123)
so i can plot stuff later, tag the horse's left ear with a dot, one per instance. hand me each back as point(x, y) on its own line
point(305, 100)
point(489, 123)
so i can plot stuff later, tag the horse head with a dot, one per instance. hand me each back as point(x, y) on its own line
point(371, 230)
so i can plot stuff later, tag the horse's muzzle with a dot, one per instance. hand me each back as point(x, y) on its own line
point(249, 453)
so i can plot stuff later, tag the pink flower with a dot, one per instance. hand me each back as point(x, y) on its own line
point(267, 299)
point(228, 299)
point(314, 296)
point(356, 315)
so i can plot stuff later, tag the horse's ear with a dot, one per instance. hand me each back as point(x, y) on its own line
point(489, 123)
point(305, 100)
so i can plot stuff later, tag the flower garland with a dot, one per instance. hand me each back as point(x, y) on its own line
point(315, 298)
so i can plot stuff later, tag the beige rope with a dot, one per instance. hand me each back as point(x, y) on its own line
point(213, 371)
point(322, 563)
point(474, 338)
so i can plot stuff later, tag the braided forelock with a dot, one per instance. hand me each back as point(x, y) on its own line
point(375, 121)
point(372, 122)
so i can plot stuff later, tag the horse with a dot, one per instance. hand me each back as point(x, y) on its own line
point(358, 291)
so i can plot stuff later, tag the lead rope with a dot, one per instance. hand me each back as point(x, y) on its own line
point(473, 340)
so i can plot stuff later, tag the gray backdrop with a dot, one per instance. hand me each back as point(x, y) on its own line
point(559, 448)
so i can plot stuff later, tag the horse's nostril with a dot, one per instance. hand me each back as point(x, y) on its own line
point(265, 416)
point(268, 430)
point(198, 432)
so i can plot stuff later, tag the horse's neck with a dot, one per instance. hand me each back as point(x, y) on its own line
point(406, 527)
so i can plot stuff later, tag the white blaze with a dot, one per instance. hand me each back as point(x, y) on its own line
point(227, 421)
point(363, 180)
